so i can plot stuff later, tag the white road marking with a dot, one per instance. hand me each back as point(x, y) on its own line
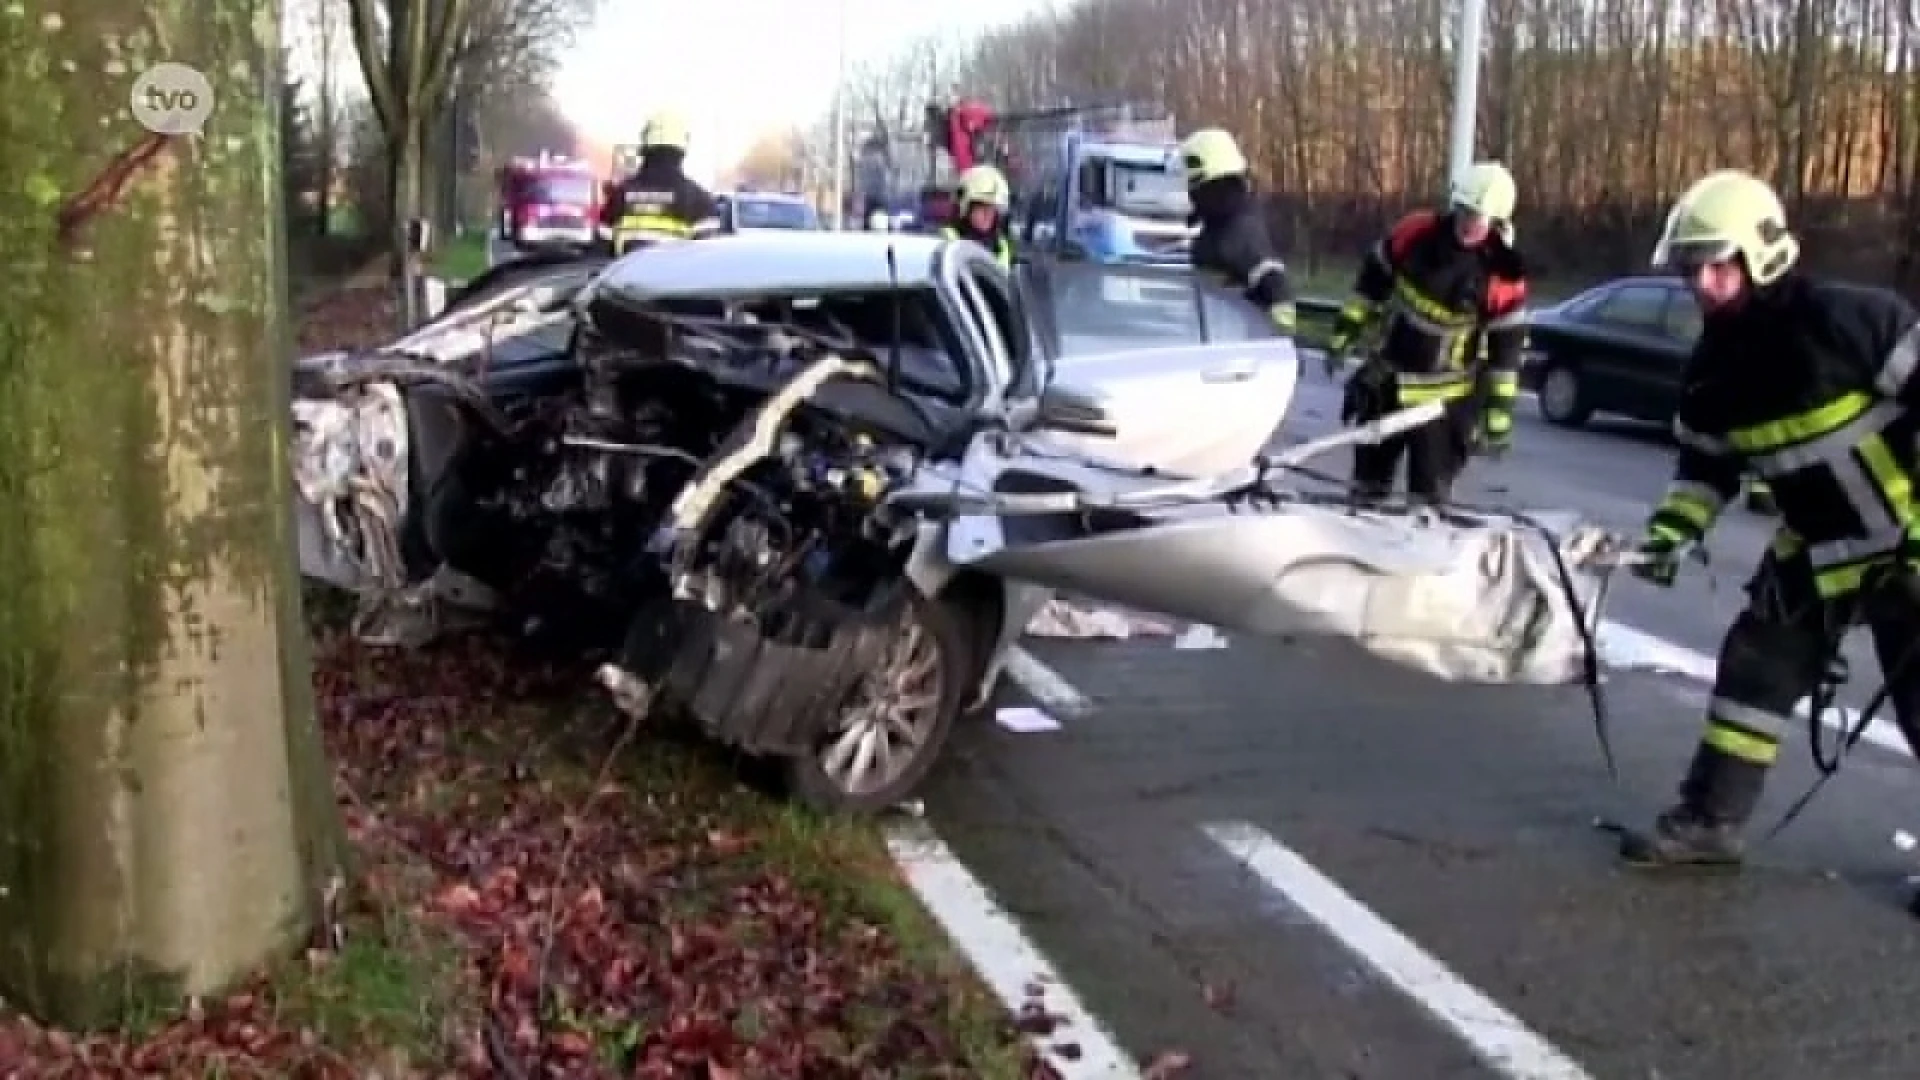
point(1045, 684)
point(1496, 1036)
point(1008, 962)
point(1623, 648)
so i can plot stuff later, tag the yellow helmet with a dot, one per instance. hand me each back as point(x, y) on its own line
point(664, 131)
point(984, 184)
point(1725, 213)
point(1210, 154)
point(1485, 188)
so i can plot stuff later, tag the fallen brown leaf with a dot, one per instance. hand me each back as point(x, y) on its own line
point(1169, 1063)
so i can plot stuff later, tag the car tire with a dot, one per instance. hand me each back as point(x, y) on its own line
point(1563, 396)
point(930, 629)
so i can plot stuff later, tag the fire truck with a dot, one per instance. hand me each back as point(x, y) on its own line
point(1101, 182)
point(899, 177)
point(548, 201)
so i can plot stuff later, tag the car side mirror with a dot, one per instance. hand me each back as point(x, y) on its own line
point(1074, 412)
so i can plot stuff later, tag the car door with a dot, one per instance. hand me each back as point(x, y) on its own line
point(1194, 378)
point(1621, 338)
point(1682, 329)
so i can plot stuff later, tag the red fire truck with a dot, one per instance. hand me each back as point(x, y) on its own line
point(548, 201)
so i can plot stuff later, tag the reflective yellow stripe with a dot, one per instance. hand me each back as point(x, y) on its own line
point(1439, 318)
point(1744, 745)
point(654, 224)
point(1671, 535)
point(1888, 476)
point(1357, 311)
point(1694, 504)
point(1790, 430)
point(1283, 316)
point(1499, 421)
point(1412, 394)
point(1504, 386)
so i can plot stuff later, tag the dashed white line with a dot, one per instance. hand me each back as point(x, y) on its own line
point(1498, 1037)
point(1625, 648)
point(1045, 684)
point(1009, 963)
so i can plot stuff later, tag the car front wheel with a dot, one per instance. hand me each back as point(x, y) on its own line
point(1563, 397)
point(893, 731)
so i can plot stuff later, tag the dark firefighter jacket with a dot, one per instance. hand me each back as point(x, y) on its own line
point(658, 200)
point(994, 240)
point(1810, 386)
point(1233, 244)
point(1447, 317)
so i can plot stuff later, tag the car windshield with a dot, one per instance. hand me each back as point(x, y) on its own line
point(1150, 190)
point(561, 190)
point(773, 214)
point(1107, 308)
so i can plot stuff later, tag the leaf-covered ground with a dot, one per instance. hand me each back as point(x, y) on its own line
point(546, 891)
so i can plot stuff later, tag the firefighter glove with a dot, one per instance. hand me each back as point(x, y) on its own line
point(1285, 317)
point(1657, 559)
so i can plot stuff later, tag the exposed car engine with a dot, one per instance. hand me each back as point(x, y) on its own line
point(698, 494)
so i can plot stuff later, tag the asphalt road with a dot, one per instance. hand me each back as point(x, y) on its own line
point(1292, 861)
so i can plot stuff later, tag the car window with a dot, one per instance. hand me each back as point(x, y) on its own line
point(995, 292)
point(1683, 322)
point(1631, 307)
point(1103, 308)
point(1232, 317)
point(773, 214)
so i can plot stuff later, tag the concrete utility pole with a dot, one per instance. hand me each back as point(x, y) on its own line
point(840, 123)
point(1466, 86)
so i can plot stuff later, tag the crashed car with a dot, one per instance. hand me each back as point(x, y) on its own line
point(807, 489)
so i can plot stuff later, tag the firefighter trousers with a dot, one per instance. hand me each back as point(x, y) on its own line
point(1776, 653)
point(1436, 453)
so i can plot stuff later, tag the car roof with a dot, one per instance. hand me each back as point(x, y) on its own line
point(778, 262)
point(769, 196)
point(1650, 280)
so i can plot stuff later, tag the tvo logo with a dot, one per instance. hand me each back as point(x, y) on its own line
point(171, 99)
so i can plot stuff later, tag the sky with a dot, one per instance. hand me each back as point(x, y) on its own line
point(738, 69)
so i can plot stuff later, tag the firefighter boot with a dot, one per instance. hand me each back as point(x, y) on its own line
point(1703, 830)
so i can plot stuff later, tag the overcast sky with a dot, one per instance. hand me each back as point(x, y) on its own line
point(738, 68)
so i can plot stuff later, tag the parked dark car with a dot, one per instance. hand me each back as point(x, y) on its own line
point(1616, 348)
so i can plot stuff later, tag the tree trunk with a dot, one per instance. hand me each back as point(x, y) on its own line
point(166, 821)
point(405, 193)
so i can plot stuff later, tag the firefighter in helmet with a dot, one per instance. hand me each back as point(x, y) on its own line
point(1438, 301)
point(1233, 242)
point(980, 212)
point(1811, 386)
point(659, 202)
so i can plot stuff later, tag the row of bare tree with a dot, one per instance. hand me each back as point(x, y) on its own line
point(1605, 109)
point(406, 98)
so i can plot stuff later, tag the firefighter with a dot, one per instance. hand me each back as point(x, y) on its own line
point(1809, 385)
point(980, 212)
point(1232, 242)
point(659, 202)
point(1439, 300)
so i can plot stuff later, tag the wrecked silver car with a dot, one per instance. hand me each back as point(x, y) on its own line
point(807, 489)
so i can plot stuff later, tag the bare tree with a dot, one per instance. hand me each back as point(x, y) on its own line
point(1603, 108)
point(407, 51)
